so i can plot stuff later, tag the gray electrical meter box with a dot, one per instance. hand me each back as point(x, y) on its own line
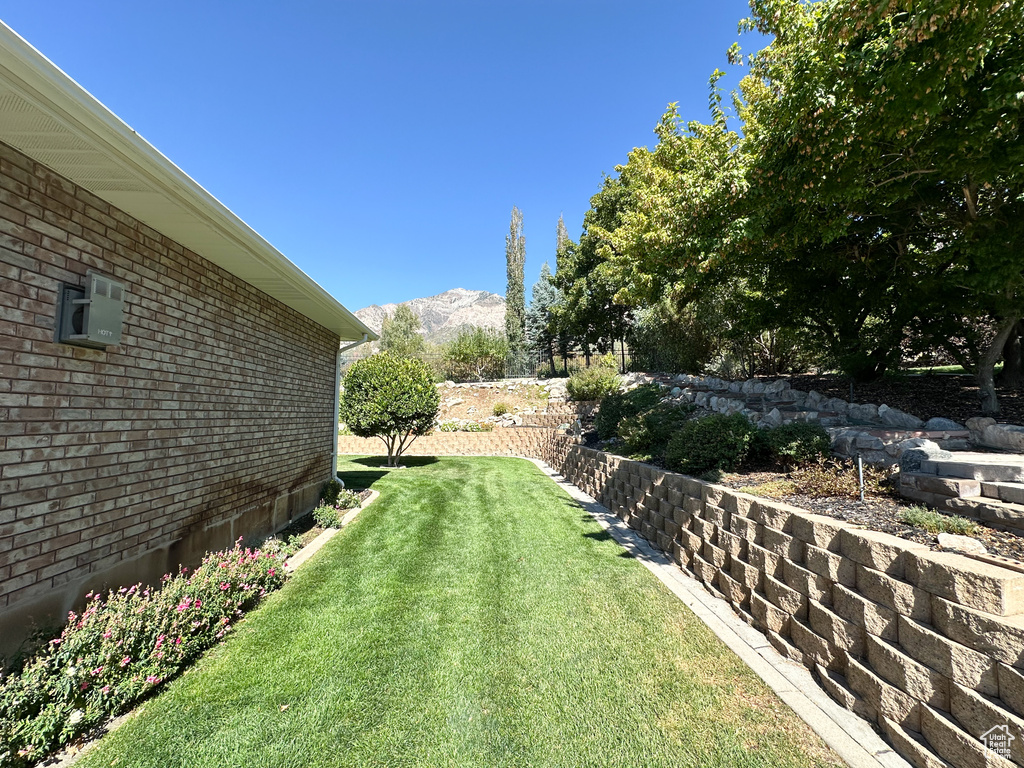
point(93, 316)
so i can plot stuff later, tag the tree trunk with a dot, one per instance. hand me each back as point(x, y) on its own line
point(986, 376)
point(1012, 376)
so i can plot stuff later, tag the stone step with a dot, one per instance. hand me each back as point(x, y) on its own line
point(990, 467)
point(1003, 514)
point(1012, 492)
point(935, 490)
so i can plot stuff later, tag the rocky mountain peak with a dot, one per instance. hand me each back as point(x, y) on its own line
point(443, 315)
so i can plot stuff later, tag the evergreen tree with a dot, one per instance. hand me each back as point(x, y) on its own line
point(515, 300)
point(540, 335)
point(563, 338)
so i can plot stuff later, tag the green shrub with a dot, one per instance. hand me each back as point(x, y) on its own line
point(330, 490)
point(392, 398)
point(464, 426)
point(620, 405)
point(124, 645)
point(936, 522)
point(476, 354)
point(710, 444)
point(328, 515)
point(500, 409)
point(593, 383)
point(650, 431)
point(798, 443)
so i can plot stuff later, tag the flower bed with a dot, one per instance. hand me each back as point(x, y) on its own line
point(123, 646)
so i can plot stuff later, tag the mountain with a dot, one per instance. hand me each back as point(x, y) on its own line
point(442, 316)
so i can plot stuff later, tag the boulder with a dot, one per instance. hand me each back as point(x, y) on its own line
point(912, 452)
point(893, 417)
point(964, 544)
point(863, 411)
point(939, 424)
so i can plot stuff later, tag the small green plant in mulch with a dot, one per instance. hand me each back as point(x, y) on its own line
point(329, 491)
point(772, 489)
point(500, 409)
point(936, 522)
point(329, 515)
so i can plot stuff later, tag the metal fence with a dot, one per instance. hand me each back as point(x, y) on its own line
point(526, 366)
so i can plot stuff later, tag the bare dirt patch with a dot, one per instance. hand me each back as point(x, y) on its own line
point(476, 401)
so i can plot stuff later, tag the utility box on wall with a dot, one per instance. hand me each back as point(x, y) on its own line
point(92, 316)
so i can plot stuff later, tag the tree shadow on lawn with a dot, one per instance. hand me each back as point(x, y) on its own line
point(376, 469)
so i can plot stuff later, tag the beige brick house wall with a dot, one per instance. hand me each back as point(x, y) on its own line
point(212, 420)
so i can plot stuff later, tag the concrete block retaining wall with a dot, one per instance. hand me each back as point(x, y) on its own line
point(929, 646)
point(519, 441)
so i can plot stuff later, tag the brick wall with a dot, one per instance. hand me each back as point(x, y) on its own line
point(213, 419)
point(927, 645)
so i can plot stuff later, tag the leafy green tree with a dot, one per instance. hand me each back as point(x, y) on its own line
point(515, 298)
point(888, 173)
point(392, 398)
point(400, 334)
point(588, 312)
point(476, 353)
point(540, 327)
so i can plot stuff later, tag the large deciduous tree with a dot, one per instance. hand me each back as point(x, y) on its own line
point(400, 334)
point(888, 172)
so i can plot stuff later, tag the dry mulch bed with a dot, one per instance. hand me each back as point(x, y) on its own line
point(878, 513)
point(951, 396)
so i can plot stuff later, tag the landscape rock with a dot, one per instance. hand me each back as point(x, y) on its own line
point(966, 544)
point(896, 418)
point(940, 424)
point(916, 450)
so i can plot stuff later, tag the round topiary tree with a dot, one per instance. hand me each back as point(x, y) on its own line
point(391, 398)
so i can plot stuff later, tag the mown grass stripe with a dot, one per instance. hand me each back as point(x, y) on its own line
point(472, 616)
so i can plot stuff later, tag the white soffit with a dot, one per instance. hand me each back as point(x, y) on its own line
point(49, 117)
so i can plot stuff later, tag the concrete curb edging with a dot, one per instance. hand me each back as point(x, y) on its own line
point(317, 544)
point(852, 738)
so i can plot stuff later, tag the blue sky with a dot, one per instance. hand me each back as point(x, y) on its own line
point(381, 144)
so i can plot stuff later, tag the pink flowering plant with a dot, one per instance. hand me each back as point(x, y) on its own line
point(125, 644)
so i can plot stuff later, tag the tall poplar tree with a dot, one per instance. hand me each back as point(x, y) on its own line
point(515, 298)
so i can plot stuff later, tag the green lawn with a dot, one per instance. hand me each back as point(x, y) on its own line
point(472, 616)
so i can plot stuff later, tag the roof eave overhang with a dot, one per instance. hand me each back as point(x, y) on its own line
point(49, 117)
